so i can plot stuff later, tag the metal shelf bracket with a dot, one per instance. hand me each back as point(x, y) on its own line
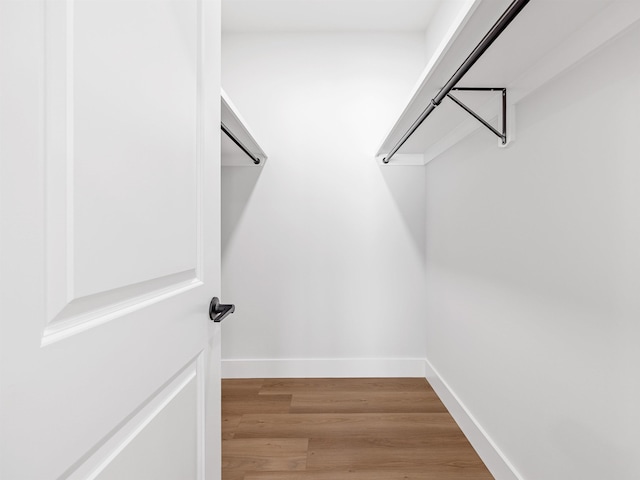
point(502, 135)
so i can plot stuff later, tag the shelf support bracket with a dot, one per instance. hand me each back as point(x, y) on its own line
point(501, 135)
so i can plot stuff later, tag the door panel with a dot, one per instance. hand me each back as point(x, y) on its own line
point(153, 454)
point(121, 183)
point(109, 148)
point(142, 123)
point(141, 448)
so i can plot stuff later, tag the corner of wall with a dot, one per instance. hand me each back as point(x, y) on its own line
point(488, 451)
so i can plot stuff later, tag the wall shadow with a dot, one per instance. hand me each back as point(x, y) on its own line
point(407, 187)
point(238, 184)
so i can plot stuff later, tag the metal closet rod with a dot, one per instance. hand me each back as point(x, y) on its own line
point(230, 134)
point(509, 14)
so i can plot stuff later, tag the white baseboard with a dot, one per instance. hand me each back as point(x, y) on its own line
point(488, 451)
point(323, 368)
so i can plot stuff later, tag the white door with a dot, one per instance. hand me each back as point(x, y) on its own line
point(110, 172)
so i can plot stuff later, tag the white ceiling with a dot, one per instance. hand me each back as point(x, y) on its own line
point(327, 15)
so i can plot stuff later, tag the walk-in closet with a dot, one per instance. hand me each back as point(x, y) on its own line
point(450, 194)
point(319, 239)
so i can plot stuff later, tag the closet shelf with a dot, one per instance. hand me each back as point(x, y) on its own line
point(546, 39)
point(238, 145)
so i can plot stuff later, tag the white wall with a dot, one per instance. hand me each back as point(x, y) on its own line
point(323, 250)
point(533, 274)
point(445, 18)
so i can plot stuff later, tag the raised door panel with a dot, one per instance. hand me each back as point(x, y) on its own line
point(161, 459)
point(121, 179)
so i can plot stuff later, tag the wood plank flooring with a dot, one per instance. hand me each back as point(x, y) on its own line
point(335, 429)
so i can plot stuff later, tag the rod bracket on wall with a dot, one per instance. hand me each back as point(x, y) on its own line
point(502, 135)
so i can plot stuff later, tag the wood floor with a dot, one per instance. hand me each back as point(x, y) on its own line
point(335, 429)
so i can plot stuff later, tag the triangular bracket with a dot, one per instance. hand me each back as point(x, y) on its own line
point(502, 135)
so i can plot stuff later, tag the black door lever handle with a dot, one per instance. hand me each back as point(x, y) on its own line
point(217, 310)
